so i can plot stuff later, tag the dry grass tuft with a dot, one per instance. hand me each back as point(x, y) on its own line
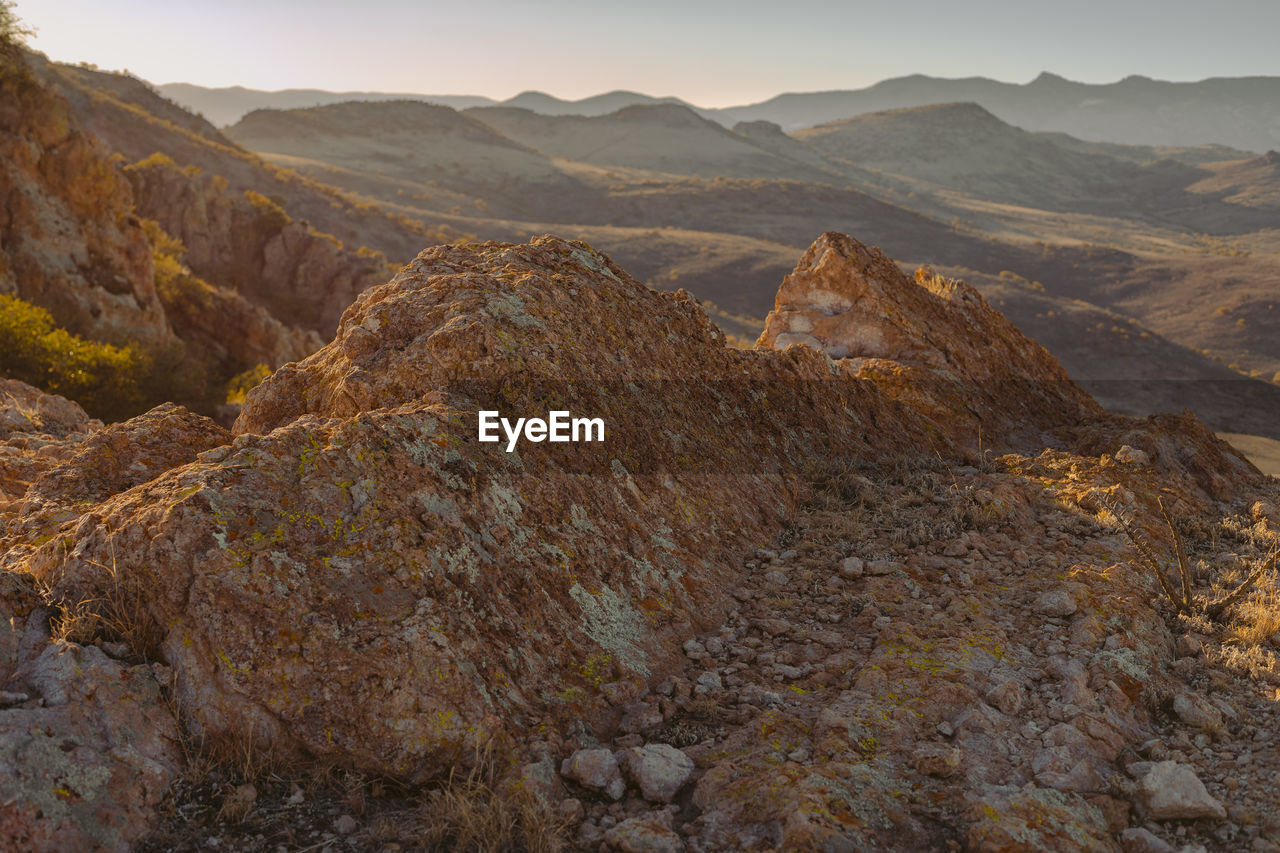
point(119, 615)
point(486, 810)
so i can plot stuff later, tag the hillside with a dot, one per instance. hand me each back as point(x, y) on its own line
point(1254, 182)
point(133, 120)
point(227, 105)
point(964, 147)
point(419, 148)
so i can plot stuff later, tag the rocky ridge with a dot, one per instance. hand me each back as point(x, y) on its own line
point(793, 600)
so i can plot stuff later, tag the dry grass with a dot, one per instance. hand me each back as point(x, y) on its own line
point(1235, 583)
point(485, 811)
point(118, 615)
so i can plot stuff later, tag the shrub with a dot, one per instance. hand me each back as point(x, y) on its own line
point(271, 216)
point(242, 383)
point(104, 379)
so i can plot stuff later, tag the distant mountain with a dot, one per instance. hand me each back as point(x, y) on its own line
point(1242, 112)
point(228, 105)
point(596, 105)
point(1239, 111)
point(662, 137)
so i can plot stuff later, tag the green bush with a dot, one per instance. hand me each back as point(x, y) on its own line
point(102, 378)
point(242, 383)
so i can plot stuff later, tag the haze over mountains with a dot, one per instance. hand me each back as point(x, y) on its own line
point(1240, 112)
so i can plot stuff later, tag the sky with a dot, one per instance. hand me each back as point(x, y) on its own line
point(709, 52)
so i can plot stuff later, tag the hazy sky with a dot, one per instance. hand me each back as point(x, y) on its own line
point(710, 52)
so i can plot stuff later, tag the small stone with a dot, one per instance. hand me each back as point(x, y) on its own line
point(595, 769)
point(754, 694)
point(7, 698)
point(345, 825)
point(776, 577)
point(1135, 839)
point(789, 554)
point(572, 811)
point(640, 717)
point(658, 770)
point(1007, 697)
point(643, 835)
point(1172, 791)
point(710, 680)
point(787, 671)
point(935, 760)
point(714, 645)
point(881, 567)
point(1194, 711)
point(1189, 645)
point(850, 568)
point(1132, 456)
point(1056, 602)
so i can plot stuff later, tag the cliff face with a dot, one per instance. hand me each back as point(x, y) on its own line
point(944, 647)
point(248, 244)
point(68, 238)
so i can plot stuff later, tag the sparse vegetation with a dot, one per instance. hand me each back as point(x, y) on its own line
point(1180, 590)
point(242, 383)
point(13, 35)
point(104, 379)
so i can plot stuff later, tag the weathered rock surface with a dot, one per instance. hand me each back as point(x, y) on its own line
point(85, 762)
point(357, 544)
point(37, 431)
point(113, 459)
point(659, 770)
point(597, 770)
point(932, 342)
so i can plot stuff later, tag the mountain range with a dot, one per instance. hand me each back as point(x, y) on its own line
point(1243, 112)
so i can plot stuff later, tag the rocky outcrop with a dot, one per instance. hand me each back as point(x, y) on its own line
point(950, 647)
point(357, 542)
point(933, 343)
point(68, 238)
point(247, 243)
point(37, 432)
point(87, 758)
